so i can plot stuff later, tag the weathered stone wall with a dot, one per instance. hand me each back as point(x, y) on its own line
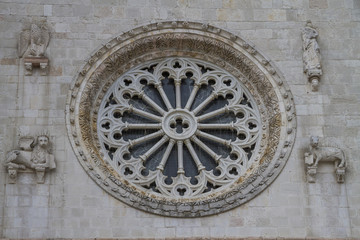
point(70, 205)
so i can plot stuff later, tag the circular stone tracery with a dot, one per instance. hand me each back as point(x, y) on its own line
point(139, 134)
point(179, 124)
point(248, 145)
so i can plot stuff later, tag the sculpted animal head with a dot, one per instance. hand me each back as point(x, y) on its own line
point(314, 141)
point(11, 156)
point(310, 32)
point(43, 141)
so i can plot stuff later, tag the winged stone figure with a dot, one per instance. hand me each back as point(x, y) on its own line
point(34, 41)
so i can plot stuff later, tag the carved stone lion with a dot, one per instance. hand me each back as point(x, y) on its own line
point(33, 155)
point(318, 153)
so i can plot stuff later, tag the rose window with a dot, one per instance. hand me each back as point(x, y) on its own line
point(179, 127)
point(180, 119)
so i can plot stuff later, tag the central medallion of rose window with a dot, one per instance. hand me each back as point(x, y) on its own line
point(179, 127)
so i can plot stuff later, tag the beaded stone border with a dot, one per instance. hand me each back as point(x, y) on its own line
point(185, 39)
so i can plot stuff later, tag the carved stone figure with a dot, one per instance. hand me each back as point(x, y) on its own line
point(33, 155)
point(34, 41)
point(311, 55)
point(318, 154)
point(32, 46)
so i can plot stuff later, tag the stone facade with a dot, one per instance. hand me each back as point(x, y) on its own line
point(69, 204)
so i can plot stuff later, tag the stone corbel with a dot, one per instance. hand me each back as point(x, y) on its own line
point(40, 174)
point(12, 174)
point(44, 68)
point(36, 62)
point(28, 68)
point(310, 170)
point(340, 174)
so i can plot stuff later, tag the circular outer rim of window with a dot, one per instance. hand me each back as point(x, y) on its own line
point(204, 43)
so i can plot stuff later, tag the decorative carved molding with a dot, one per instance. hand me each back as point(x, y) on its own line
point(311, 55)
point(188, 40)
point(320, 154)
point(34, 155)
point(32, 45)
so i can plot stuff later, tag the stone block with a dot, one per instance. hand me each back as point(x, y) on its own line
point(241, 4)
point(40, 201)
point(269, 15)
point(82, 10)
point(294, 4)
point(263, 4)
point(62, 10)
point(139, 3)
point(103, 11)
point(234, 15)
point(318, 4)
point(35, 10)
point(48, 10)
point(25, 201)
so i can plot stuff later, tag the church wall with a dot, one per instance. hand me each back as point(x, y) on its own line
point(71, 205)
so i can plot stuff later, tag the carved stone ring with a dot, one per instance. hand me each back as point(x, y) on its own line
point(181, 120)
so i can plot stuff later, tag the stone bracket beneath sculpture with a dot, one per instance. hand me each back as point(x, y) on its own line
point(34, 156)
point(319, 154)
point(13, 172)
point(36, 62)
point(311, 174)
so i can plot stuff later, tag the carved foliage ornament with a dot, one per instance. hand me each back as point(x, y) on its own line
point(181, 119)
